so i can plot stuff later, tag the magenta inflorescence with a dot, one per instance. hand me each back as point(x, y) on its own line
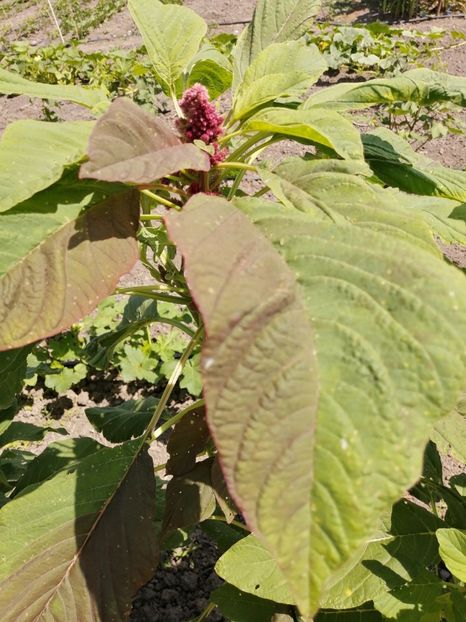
point(202, 121)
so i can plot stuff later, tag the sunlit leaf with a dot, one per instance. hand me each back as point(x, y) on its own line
point(453, 551)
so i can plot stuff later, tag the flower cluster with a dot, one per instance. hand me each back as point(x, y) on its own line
point(202, 121)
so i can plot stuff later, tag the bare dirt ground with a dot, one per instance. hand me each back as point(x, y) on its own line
point(181, 586)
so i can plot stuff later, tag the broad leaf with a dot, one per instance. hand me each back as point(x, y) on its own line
point(14, 84)
point(389, 560)
point(326, 128)
point(130, 145)
point(422, 86)
point(453, 551)
point(78, 546)
point(444, 217)
point(172, 35)
point(239, 606)
point(55, 458)
point(123, 422)
point(76, 241)
point(315, 187)
point(21, 431)
point(449, 433)
point(212, 69)
point(189, 438)
point(33, 155)
point(249, 567)
point(366, 613)
point(389, 323)
point(13, 366)
point(395, 162)
point(274, 21)
point(282, 69)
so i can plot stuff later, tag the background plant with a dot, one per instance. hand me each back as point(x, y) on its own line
point(331, 329)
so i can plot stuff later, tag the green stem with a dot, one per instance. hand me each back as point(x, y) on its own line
point(236, 184)
point(206, 613)
point(240, 165)
point(160, 199)
point(233, 522)
point(247, 145)
point(148, 217)
point(170, 188)
point(262, 191)
point(228, 137)
point(171, 422)
point(176, 105)
point(154, 294)
point(171, 384)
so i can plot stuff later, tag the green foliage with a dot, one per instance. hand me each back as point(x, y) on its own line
point(321, 324)
point(407, 9)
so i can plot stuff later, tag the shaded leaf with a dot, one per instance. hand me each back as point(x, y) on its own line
point(189, 498)
point(13, 367)
point(76, 241)
point(172, 35)
point(279, 70)
point(395, 162)
point(123, 422)
point(274, 21)
point(20, 431)
point(326, 128)
point(14, 84)
point(222, 495)
point(239, 606)
point(189, 438)
point(37, 152)
point(13, 465)
point(388, 318)
point(212, 69)
point(85, 538)
point(366, 613)
point(130, 145)
point(249, 567)
point(453, 551)
point(222, 534)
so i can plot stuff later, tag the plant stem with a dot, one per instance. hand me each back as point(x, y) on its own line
point(233, 522)
point(170, 188)
point(236, 184)
point(173, 381)
point(160, 199)
point(247, 145)
point(206, 613)
point(55, 20)
point(240, 165)
point(171, 422)
point(148, 217)
point(176, 105)
point(150, 292)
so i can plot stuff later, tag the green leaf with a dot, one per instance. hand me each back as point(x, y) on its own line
point(37, 153)
point(222, 534)
point(84, 537)
point(13, 84)
point(445, 218)
point(20, 431)
point(172, 35)
point(191, 378)
point(212, 69)
point(65, 378)
point(395, 162)
point(309, 440)
point(189, 438)
point(138, 364)
point(453, 551)
point(249, 566)
point(123, 422)
point(130, 145)
point(13, 465)
point(7, 415)
point(239, 606)
point(449, 434)
point(55, 458)
point(423, 86)
point(315, 187)
point(76, 241)
point(326, 128)
point(279, 70)
point(13, 366)
point(391, 559)
point(365, 613)
point(274, 21)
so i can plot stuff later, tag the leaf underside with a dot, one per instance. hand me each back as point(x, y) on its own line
point(131, 146)
point(77, 241)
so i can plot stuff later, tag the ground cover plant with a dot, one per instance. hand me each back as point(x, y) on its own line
point(329, 327)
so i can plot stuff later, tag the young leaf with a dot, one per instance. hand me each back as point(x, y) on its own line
point(65, 378)
point(249, 567)
point(37, 153)
point(395, 162)
point(387, 316)
point(82, 542)
point(76, 241)
point(13, 366)
point(172, 35)
point(282, 69)
point(326, 128)
point(123, 422)
point(130, 145)
point(212, 69)
point(138, 364)
point(274, 21)
point(13, 84)
point(453, 551)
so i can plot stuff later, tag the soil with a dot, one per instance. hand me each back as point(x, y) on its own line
point(180, 589)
